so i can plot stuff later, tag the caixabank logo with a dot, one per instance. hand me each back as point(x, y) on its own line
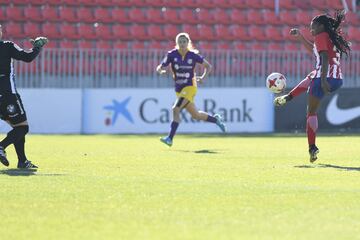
point(117, 109)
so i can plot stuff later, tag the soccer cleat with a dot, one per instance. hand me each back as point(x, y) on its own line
point(167, 140)
point(3, 158)
point(280, 101)
point(220, 122)
point(313, 151)
point(27, 165)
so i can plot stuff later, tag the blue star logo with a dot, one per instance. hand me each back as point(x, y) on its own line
point(119, 108)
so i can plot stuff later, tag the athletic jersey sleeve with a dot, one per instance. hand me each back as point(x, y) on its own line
point(198, 58)
point(321, 42)
point(167, 59)
point(18, 53)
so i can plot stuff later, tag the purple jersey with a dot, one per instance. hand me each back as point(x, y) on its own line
point(182, 67)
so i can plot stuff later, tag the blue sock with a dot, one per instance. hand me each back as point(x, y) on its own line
point(211, 119)
point(174, 126)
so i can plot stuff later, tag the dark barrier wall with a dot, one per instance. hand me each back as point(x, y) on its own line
point(339, 111)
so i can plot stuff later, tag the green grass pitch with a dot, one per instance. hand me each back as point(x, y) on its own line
point(204, 187)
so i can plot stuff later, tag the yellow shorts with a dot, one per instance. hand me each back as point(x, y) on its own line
point(188, 93)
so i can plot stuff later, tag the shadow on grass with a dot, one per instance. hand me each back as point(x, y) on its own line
point(204, 151)
point(19, 172)
point(329, 166)
point(26, 172)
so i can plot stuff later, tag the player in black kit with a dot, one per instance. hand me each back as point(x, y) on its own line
point(11, 108)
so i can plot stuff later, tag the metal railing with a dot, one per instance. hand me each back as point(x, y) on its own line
point(79, 68)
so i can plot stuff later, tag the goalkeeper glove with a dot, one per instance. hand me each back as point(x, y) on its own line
point(39, 41)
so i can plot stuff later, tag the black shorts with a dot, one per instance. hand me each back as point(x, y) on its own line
point(12, 108)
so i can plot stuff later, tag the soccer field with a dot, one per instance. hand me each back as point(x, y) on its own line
point(204, 187)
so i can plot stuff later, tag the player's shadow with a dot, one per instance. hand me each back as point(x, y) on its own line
point(329, 166)
point(203, 151)
point(19, 172)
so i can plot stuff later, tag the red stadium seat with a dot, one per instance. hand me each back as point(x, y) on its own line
point(155, 32)
point(171, 16)
point(319, 4)
point(137, 45)
point(86, 45)
point(102, 15)
point(120, 16)
point(154, 15)
point(271, 18)
point(192, 31)
point(354, 34)
point(121, 32)
point(2, 15)
point(68, 45)
point(189, 3)
point(238, 17)
point(51, 31)
point(33, 14)
point(155, 45)
point(257, 46)
point(240, 46)
point(104, 3)
point(238, 4)
point(86, 31)
point(170, 31)
point(352, 18)
point(223, 45)
point(38, 2)
point(138, 32)
point(268, 4)
point(275, 46)
point(85, 15)
point(206, 32)
point(120, 45)
point(13, 30)
point(255, 17)
point(292, 47)
point(286, 34)
point(14, 13)
point(303, 18)
point(187, 16)
point(257, 33)
point(288, 17)
point(91, 2)
point(257, 4)
point(19, 2)
point(204, 3)
point(155, 3)
point(336, 4)
point(67, 14)
point(32, 30)
point(205, 17)
point(103, 45)
point(222, 3)
point(103, 31)
point(240, 33)
point(69, 31)
point(136, 15)
point(122, 3)
point(221, 16)
point(223, 32)
point(69, 2)
point(287, 4)
point(49, 13)
point(204, 45)
point(273, 33)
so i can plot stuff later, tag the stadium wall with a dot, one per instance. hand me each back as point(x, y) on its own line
point(117, 111)
point(338, 112)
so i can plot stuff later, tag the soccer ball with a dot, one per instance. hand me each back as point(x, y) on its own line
point(276, 82)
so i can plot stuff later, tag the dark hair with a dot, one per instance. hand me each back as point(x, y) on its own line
point(332, 27)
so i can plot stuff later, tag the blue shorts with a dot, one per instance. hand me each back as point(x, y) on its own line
point(316, 90)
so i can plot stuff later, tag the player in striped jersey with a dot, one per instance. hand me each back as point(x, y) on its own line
point(183, 60)
point(328, 47)
point(11, 107)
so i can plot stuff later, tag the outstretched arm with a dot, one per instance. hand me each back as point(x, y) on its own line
point(23, 55)
point(296, 33)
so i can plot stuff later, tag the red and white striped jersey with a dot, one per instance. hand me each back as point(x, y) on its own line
point(324, 43)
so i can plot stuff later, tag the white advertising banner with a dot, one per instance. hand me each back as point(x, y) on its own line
point(51, 110)
point(149, 110)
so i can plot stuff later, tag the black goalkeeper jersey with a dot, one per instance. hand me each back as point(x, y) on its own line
point(8, 52)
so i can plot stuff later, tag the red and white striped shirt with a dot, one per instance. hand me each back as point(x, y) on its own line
point(324, 43)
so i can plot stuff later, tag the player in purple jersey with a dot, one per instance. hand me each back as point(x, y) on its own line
point(183, 60)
